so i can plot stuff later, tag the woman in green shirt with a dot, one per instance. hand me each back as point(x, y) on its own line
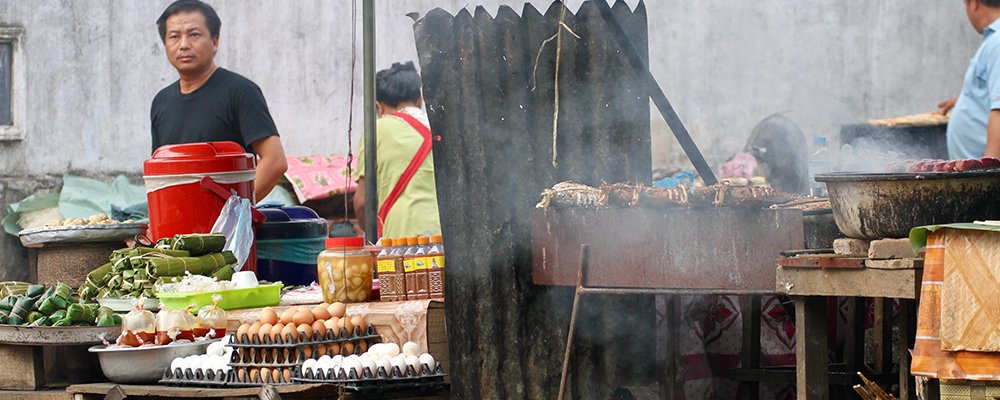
point(407, 196)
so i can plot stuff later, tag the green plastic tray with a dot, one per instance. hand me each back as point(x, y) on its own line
point(235, 299)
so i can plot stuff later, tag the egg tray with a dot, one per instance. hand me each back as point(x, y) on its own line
point(219, 378)
point(266, 341)
point(189, 377)
point(381, 381)
point(264, 357)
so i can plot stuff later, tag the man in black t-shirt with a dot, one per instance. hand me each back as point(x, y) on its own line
point(209, 103)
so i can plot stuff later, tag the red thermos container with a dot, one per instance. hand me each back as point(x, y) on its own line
point(178, 203)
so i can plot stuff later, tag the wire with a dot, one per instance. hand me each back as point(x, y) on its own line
point(350, 115)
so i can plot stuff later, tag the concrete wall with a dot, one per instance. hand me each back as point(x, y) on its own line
point(93, 67)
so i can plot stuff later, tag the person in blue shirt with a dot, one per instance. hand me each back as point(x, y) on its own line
point(974, 128)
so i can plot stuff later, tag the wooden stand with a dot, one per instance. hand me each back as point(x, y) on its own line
point(110, 391)
point(810, 279)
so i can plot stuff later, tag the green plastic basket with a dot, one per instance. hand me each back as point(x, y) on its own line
point(235, 299)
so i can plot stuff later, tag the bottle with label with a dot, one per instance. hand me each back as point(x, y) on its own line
point(820, 162)
point(409, 268)
point(435, 272)
point(386, 267)
point(421, 264)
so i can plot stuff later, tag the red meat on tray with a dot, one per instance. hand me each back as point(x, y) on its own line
point(967, 165)
point(989, 162)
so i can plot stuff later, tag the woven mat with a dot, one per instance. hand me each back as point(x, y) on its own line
point(970, 294)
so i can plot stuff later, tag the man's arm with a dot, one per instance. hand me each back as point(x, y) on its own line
point(270, 167)
point(359, 203)
point(993, 135)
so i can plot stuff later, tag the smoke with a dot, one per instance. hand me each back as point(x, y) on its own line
point(882, 152)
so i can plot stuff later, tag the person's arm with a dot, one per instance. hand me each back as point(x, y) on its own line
point(270, 167)
point(993, 135)
point(359, 203)
point(945, 106)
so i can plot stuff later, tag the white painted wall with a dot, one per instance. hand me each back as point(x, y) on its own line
point(93, 67)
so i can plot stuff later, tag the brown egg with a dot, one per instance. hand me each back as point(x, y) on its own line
point(363, 346)
point(325, 305)
point(347, 348)
point(303, 317)
point(265, 374)
point(359, 321)
point(323, 350)
point(265, 330)
point(255, 375)
point(286, 317)
point(288, 334)
point(320, 313)
point(333, 348)
point(287, 374)
point(307, 352)
point(306, 330)
point(254, 330)
point(276, 331)
point(337, 309)
point(331, 324)
point(268, 316)
point(242, 330)
point(319, 328)
point(345, 323)
point(241, 375)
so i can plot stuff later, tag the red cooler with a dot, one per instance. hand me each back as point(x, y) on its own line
point(178, 201)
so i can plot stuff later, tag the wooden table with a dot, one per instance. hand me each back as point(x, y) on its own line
point(111, 391)
point(810, 285)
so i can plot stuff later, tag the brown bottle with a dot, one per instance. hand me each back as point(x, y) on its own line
point(420, 264)
point(435, 271)
point(409, 271)
point(386, 267)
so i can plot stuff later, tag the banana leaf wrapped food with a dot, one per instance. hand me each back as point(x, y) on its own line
point(34, 316)
point(7, 303)
point(58, 315)
point(42, 321)
point(13, 288)
point(34, 291)
point(179, 266)
point(199, 244)
point(225, 273)
point(19, 314)
point(53, 303)
point(82, 312)
point(4, 315)
point(66, 321)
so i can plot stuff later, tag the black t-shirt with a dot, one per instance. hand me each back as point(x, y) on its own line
point(228, 107)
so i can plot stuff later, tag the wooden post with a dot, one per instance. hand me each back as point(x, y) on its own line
point(907, 330)
point(750, 351)
point(811, 379)
point(883, 335)
point(24, 367)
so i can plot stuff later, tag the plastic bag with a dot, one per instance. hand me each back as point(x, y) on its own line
point(236, 223)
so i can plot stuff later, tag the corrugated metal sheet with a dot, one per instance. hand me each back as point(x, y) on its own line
point(491, 104)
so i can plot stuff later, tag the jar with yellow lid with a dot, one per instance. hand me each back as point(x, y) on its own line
point(345, 270)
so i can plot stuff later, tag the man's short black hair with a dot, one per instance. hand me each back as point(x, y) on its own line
point(179, 6)
point(991, 3)
point(398, 84)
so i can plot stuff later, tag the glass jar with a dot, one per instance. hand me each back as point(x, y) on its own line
point(345, 270)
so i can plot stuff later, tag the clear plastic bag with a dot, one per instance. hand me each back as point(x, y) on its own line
point(212, 320)
point(138, 327)
point(236, 222)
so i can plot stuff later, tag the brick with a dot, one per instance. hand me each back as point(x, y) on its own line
point(901, 263)
point(890, 248)
point(850, 247)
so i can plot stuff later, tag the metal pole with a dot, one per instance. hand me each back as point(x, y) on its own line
point(371, 178)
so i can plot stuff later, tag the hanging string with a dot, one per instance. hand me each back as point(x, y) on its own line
point(555, 109)
point(350, 115)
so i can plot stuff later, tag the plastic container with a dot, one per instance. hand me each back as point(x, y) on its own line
point(435, 270)
point(288, 244)
point(345, 270)
point(178, 204)
point(820, 162)
point(260, 296)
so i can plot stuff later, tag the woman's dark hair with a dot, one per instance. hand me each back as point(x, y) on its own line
point(399, 84)
point(179, 6)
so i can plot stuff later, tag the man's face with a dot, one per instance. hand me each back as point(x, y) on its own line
point(189, 44)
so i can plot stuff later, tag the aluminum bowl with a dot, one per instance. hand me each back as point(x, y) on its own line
point(143, 364)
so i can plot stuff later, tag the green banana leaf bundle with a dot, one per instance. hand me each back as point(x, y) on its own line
point(7, 303)
point(199, 244)
point(13, 288)
point(41, 321)
point(52, 304)
point(34, 316)
point(66, 321)
point(34, 291)
point(82, 312)
point(58, 315)
point(19, 314)
point(179, 266)
point(225, 273)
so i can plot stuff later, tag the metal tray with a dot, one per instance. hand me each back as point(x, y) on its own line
point(57, 335)
point(39, 237)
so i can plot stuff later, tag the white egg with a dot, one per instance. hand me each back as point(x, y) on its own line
point(351, 365)
point(399, 361)
point(352, 357)
point(323, 365)
point(338, 360)
point(429, 360)
point(375, 349)
point(308, 364)
point(324, 358)
point(177, 363)
point(390, 349)
point(384, 363)
point(370, 364)
point(414, 362)
point(216, 349)
point(411, 349)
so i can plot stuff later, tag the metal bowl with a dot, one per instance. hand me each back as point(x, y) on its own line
point(875, 206)
point(143, 364)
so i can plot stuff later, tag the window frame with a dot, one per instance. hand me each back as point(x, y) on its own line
point(14, 35)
